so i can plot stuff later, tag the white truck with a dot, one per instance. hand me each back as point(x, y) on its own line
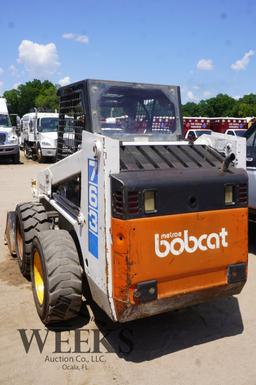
point(9, 146)
point(39, 135)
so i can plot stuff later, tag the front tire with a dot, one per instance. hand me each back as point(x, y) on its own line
point(39, 155)
point(31, 218)
point(16, 158)
point(56, 276)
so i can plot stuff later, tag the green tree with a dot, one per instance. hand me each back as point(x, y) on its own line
point(245, 106)
point(242, 110)
point(47, 99)
point(220, 105)
point(32, 94)
point(190, 109)
point(12, 98)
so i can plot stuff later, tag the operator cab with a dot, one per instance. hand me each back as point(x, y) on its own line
point(124, 111)
point(131, 112)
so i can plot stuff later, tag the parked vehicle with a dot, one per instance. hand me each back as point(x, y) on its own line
point(9, 146)
point(236, 132)
point(216, 124)
point(39, 135)
point(151, 223)
point(222, 124)
point(192, 135)
point(195, 123)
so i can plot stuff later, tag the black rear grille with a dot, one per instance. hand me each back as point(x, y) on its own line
point(118, 202)
point(243, 194)
point(133, 202)
point(125, 204)
point(2, 137)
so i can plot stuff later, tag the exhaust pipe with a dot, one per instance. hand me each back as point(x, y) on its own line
point(226, 163)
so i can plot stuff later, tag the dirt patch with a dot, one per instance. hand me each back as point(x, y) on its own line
point(10, 273)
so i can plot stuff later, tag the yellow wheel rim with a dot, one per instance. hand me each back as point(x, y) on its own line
point(19, 241)
point(38, 278)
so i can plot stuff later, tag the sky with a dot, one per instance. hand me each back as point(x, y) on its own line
point(205, 47)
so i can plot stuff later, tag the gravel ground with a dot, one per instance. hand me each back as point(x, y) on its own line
point(211, 344)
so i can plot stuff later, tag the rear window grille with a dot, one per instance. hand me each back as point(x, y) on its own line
point(72, 122)
point(243, 194)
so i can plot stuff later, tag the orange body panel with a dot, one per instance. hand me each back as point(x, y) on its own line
point(184, 253)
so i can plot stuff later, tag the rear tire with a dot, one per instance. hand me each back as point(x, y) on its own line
point(27, 151)
point(31, 218)
point(56, 276)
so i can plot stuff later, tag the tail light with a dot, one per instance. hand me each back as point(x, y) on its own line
point(125, 204)
point(133, 202)
point(243, 194)
point(118, 202)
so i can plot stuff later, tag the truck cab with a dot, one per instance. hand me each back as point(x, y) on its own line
point(236, 132)
point(39, 135)
point(193, 134)
point(9, 146)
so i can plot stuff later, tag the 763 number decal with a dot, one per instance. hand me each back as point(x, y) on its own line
point(93, 207)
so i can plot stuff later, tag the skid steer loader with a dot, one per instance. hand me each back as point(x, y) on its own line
point(152, 222)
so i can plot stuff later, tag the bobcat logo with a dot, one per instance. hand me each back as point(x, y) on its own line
point(188, 243)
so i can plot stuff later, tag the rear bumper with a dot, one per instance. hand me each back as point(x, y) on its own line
point(158, 266)
point(9, 150)
point(132, 312)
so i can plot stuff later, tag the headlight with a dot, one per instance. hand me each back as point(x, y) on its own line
point(12, 140)
point(45, 143)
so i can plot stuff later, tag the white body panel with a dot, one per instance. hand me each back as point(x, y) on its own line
point(97, 265)
point(106, 151)
point(226, 144)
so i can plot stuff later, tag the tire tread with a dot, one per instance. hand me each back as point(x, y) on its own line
point(64, 275)
point(34, 219)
